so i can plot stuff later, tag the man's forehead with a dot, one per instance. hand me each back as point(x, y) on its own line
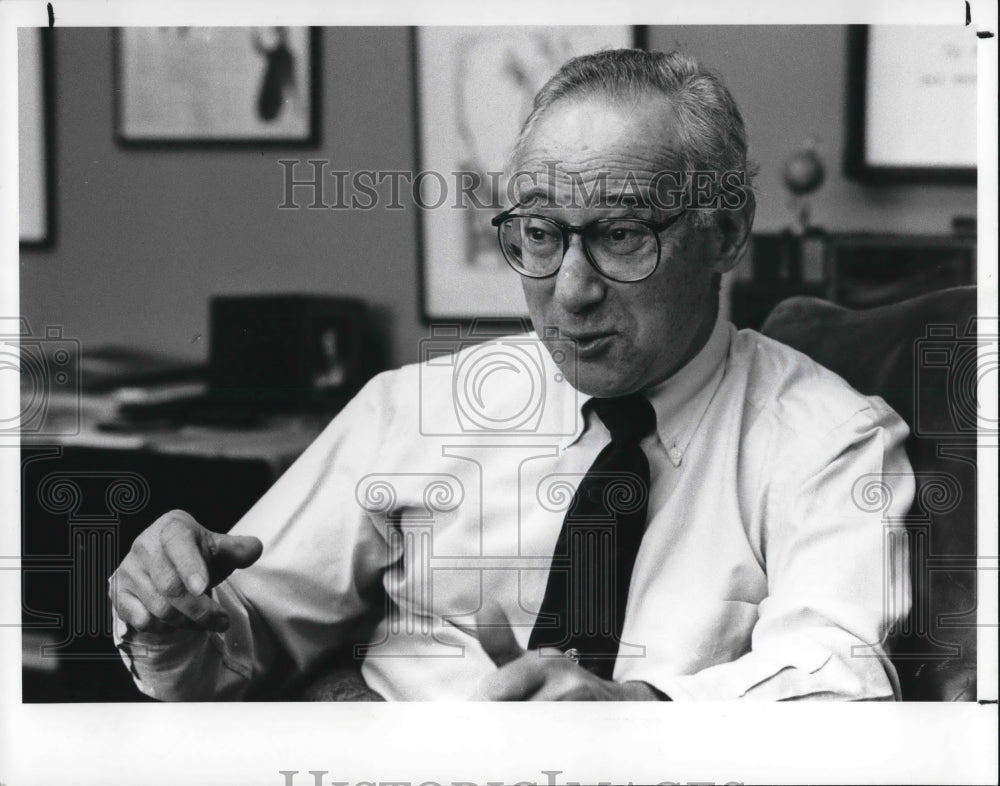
point(594, 143)
point(580, 191)
point(582, 128)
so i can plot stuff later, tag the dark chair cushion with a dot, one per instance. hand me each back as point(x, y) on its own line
point(340, 682)
point(918, 355)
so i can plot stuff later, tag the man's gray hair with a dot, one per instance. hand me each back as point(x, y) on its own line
point(710, 126)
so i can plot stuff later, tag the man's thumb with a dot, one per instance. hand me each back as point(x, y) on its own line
point(230, 552)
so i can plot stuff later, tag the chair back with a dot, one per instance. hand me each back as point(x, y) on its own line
point(921, 357)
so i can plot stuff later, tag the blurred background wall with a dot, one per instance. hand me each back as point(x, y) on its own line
point(144, 236)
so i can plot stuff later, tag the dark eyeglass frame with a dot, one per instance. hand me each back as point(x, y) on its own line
point(579, 229)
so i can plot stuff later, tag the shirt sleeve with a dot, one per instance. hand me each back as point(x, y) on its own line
point(321, 567)
point(837, 572)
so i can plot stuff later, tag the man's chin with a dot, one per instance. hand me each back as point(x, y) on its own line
point(600, 382)
point(594, 368)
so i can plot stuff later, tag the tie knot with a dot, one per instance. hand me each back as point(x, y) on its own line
point(628, 418)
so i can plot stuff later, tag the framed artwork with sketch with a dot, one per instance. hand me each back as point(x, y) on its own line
point(473, 88)
point(215, 85)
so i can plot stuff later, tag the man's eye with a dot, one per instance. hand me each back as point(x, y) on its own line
point(622, 233)
point(540, 234)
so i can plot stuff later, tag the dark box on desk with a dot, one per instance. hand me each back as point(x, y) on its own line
point(288, 347)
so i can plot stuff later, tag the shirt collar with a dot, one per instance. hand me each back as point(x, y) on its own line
point(680, 400)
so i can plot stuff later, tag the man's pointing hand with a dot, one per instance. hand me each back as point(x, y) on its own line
point(163, 582)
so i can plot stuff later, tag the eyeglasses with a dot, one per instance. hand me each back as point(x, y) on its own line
point(622, 249)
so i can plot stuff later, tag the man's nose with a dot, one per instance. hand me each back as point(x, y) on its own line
point(578, 284)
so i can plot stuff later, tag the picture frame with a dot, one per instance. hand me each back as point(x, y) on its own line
point(34, 134)
point(216, 85)
point(306, 348)
point(473, 88)
point(911, 69)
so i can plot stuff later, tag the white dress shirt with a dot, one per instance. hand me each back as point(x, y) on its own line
point(767, 569)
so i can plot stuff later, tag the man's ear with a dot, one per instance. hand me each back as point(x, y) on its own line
point(733, 227)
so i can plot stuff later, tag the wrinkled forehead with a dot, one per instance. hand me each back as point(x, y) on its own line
point(581, 147)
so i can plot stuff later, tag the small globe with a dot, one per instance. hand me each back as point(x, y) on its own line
point(804, 171)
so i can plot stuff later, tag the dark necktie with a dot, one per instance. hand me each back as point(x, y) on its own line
point(583, 610)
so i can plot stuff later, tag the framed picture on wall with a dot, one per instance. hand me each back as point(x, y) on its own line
point(911, 104)
point(474, 87)
point(216, 84)
point(33, 133)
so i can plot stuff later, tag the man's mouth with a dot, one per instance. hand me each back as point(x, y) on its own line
point(590, 344)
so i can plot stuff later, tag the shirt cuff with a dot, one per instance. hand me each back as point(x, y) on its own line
point(814, 674)
point(155, 659)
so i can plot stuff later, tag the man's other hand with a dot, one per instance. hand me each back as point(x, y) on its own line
point(163, 582)
point(541, 675)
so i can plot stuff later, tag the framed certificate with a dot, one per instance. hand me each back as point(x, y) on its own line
point(912, 104)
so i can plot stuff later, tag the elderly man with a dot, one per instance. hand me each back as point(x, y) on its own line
point(653, 506)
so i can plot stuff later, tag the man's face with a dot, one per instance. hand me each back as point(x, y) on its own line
point(629, 336)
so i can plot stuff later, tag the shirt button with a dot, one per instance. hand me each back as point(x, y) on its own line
point(676, 454)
